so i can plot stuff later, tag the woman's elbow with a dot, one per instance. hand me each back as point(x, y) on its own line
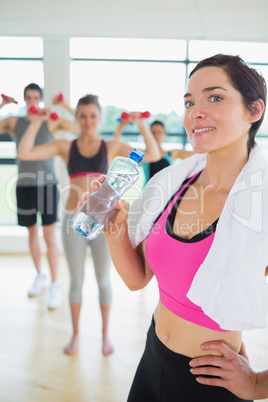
point(151, 157)
point(156, 155)
point(21, 156)
point(155, 158)
point(132, 288)
point(135, 287)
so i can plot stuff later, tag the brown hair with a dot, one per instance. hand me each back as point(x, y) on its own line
point(89, 100)
point(248, 81)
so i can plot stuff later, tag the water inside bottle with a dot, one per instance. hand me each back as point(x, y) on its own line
point(121, 181)
point(97, 210)
point(129, 176)
point(86, 226)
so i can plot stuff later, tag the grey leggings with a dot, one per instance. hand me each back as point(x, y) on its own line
point(75, 245)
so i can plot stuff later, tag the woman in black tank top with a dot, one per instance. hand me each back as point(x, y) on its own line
point(78, 163)
point(86, 158)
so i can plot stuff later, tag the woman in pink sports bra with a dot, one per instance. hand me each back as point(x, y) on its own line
point(188, 357)
point(86, 158)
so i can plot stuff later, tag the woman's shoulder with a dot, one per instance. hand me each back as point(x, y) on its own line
point(64, 146)
point(113, 143)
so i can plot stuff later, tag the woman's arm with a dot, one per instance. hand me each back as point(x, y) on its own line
point(65, 125)
point(129, 262)
point(232, 371)
point(7, 126)
point(62, 102)
point(119, 130)
point(152, 153)
point(29, 152)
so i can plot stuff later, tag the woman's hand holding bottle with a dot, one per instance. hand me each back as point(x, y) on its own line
point(118, 220)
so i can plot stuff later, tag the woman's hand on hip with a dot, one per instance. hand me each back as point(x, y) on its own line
point(231, 370)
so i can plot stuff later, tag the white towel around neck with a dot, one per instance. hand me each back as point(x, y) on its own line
point(230, 285)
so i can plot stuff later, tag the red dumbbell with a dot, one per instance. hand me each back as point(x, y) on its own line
point(60, 96)
point(33, 110)
point(145, 115)
point(6, 97)
point(54, 116)
point(124, 116)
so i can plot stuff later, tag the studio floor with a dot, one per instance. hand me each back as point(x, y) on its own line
point(32, 365)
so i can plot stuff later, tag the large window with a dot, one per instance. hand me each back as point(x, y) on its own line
point(21, 62)
point(131, 74)
point(127, 74)
point(148, 74)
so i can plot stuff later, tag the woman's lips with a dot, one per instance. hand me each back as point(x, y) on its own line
point(198, 131)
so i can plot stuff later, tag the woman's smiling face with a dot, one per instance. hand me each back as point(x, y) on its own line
point(215, 115)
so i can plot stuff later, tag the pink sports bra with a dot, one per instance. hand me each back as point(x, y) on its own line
point(175, 261)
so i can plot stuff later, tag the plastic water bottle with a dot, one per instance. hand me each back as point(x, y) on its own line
point(99, 207)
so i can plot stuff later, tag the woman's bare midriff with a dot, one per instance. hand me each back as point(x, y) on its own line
point(184, 337)
point(78, 186)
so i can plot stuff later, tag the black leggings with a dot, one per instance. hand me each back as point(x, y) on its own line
point(164, 376)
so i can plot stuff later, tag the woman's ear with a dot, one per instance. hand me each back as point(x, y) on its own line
point(257, 110)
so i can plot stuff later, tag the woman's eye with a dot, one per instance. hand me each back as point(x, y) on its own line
point(215, 98)
point(188, 104)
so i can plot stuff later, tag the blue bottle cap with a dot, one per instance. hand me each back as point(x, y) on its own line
point(136, 155)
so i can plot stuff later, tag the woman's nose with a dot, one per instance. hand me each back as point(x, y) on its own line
point(198, 112)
